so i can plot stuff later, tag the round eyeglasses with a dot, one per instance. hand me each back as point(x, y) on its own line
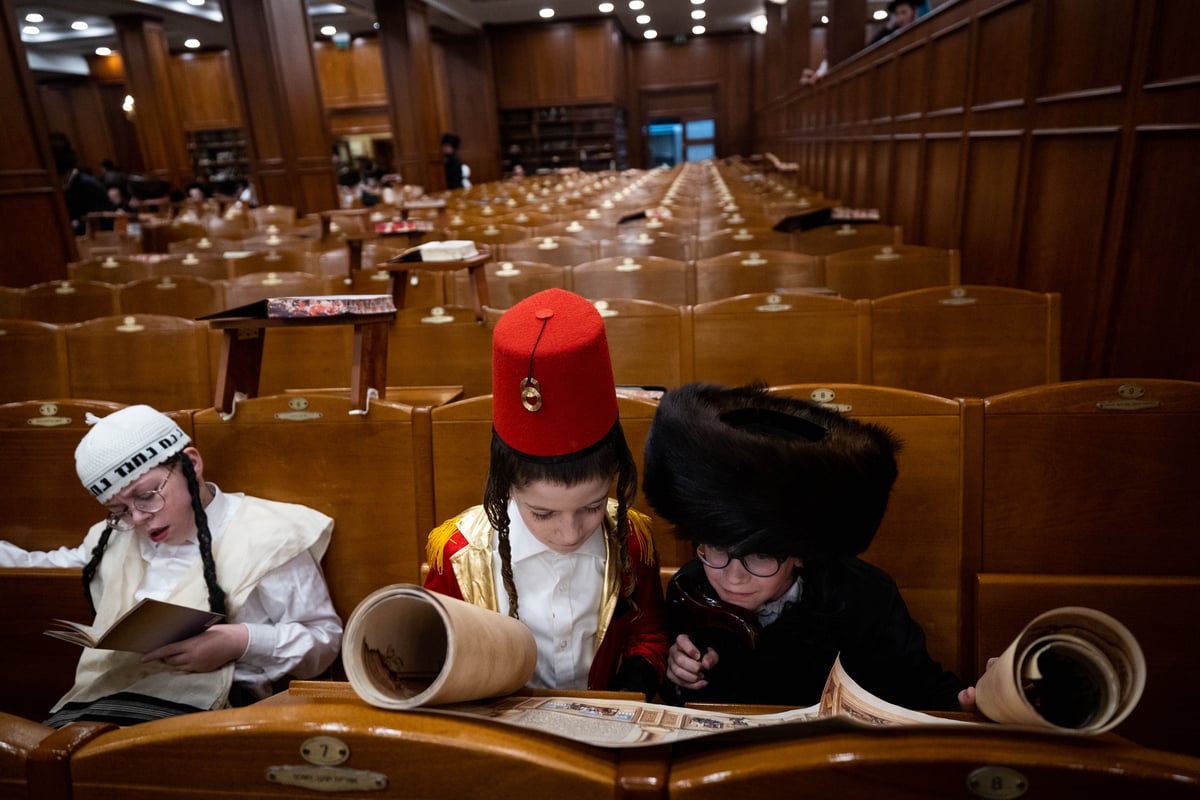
point(149, 502)
point(757, 564)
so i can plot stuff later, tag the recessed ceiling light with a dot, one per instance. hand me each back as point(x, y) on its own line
point(698, 29)
point(650, 34)
point(328, 30)
point(79, 25)
point(758, 23)
point(643, 19)
point(103, 51)
point(34, 17)
point(697, 2)
point(606, 8)
point(546, 13)
point(191, 44)
point(30, 30)
point(698, 13)
point(195, 2)
point(880, 14)
point(824, 20)
point(636, 5)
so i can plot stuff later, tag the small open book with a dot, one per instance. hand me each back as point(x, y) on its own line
point(147, 626)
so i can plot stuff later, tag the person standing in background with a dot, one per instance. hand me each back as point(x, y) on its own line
point(451, 160)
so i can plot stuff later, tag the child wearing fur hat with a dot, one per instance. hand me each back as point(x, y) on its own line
point(171, 536)
point(780, 497)
point(548, 546)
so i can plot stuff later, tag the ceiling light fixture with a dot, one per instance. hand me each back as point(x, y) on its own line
point(650, 33)
point(103, 51)
point(880, 14)
point(606, 8)
point(824, 20)
point(30, 30)
point(191, 44)
point(34, 17)
point(328, 30)
point(195, 2)
point(546, 13)
point(698, 29)
point(758, 23)
point(79, 25)
point(636, 5)
point(698, 13)
point(643, 19)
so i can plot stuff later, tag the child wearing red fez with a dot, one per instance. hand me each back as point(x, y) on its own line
point(548, 546)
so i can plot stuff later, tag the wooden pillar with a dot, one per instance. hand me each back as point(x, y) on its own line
point(287, 133)
point(34, 228)
point(411, 88)
point(144, 51)
point(797, 24)
point(847, 29)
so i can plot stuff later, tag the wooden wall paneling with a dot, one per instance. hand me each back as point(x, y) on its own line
point(860, 100)
point(467, 92)
point(204, 89)
point(1066, 210)
point(907, 181)
point(940, 204)
point(351, 76)
point(1084, 52)
point(1157, 281)
point(847, 24)
point(949, 56)
point(881, 178)
point(883, 90)
point(796, 18)
point(37, 236)
point(845, 169)
point(912, 87)
point(511, 46)
point(860, 184)
point(553, 64)
point(145, 52)
point(990, 228)
point(335, 70)
point(75, 107)
point(1175, 56)
point(595, 47)
point(412, 91)
point(1003, 55)
point(276, 76)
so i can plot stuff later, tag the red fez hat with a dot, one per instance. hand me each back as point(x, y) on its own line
point(553, 392)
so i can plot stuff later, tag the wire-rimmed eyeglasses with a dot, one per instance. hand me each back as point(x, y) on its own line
point(759, 565)
point(149, 502)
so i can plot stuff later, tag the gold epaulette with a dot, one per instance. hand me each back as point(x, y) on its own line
point(435, 545)
point(639, 526)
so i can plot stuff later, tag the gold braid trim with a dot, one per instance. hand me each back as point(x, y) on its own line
point(435, 545)
point(639, 526)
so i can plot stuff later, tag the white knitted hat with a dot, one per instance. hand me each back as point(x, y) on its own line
point(123, 446)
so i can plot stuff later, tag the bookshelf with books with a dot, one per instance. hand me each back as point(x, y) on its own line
point(591, 137)
point(218, 154)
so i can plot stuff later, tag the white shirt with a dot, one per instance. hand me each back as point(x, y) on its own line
point(293, 626)
point(558, 597)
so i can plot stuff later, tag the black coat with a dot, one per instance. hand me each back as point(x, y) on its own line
point(846, 606)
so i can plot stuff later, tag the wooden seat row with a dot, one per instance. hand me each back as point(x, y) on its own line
point(1006, 506)
point(951, 341)
point(276, 749)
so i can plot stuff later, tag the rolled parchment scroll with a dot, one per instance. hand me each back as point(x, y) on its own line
point(405, 647)
point(1071, 669)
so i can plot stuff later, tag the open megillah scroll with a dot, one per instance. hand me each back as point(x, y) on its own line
point(1073, 670)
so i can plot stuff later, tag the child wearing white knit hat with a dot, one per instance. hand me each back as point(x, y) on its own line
point(170, 535)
